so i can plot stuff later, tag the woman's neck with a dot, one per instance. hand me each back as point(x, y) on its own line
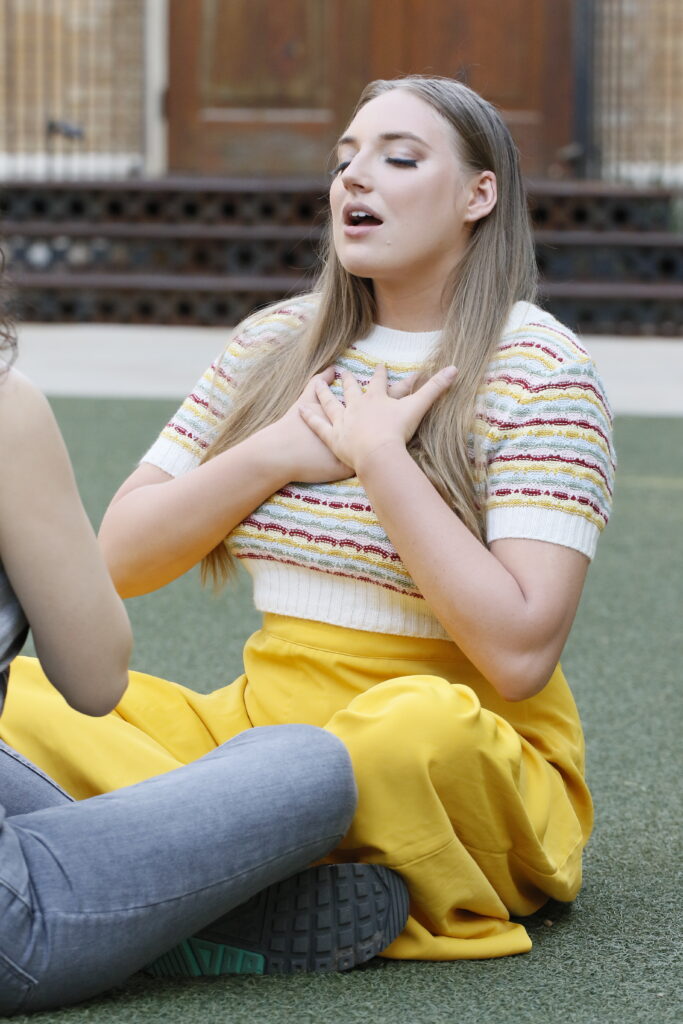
point(409, 309)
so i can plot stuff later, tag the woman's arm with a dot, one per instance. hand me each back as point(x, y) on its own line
point(509, 608)
point(51, 556)
point(158, 526)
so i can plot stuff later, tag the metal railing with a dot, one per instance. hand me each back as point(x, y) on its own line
point(632, 104)
point(72, 90)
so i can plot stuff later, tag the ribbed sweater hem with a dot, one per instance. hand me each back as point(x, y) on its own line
point(323, 597)
point(551, 525)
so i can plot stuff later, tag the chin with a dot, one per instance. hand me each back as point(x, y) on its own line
point(360, 270)
point(359, 267)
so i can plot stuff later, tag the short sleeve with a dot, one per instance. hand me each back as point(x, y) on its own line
point(183, 441)
point(181, 444)
point(547, 441)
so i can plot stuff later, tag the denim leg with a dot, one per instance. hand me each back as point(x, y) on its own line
point(93, 890)
point(24, 787)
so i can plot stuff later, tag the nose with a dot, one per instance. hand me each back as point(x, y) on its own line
point(355, 176)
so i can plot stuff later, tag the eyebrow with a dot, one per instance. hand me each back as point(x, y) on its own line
point(385, 137)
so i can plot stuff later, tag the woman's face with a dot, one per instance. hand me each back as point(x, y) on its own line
point(401, 200)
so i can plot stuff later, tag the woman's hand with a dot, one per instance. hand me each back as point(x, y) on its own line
point(306, 457)
point(158, 526)
point(370, 420)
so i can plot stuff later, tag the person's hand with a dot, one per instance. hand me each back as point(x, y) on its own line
point(370, 420)
point(305, 457)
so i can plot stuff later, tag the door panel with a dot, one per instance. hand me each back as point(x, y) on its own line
point(265, 86)
point(285, 69)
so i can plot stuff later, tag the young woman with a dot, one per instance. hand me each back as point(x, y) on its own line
point(92, 891)
point(414, 463)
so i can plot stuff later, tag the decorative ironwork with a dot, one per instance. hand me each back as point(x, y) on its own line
point(620, 257)
point(560, 205)
point(575, 206)
point(131, 305)
point(168, 201)
point(97, 249)
point(209, 252)
point(627, 314)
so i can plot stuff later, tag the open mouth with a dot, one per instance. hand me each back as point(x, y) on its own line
point(360, 218)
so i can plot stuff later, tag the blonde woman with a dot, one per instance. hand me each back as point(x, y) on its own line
point(414, 463)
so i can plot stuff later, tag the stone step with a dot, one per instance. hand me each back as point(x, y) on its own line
point(565, 205)
point(211, 250)
point(84, 249)
point(611, 308)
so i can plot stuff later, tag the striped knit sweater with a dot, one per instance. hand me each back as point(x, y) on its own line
point(317, 551)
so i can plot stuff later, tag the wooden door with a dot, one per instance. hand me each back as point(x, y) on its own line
point(265, 86)
point(516, 53)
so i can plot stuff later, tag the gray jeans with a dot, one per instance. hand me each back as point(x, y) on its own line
point(91, 891)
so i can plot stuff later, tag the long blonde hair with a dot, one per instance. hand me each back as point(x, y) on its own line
point(497, 269)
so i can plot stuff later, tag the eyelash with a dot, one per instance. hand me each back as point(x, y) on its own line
point(397, 161)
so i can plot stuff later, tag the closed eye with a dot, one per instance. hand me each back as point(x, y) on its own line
point(396, 161)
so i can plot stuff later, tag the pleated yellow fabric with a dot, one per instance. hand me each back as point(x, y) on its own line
point(480, 804)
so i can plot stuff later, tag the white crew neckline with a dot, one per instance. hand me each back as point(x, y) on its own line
point(397, 346)
point(387, 342)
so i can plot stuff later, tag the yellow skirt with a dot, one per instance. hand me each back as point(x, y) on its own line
point(479, 804)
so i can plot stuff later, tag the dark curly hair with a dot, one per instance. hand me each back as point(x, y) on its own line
point(8, 337)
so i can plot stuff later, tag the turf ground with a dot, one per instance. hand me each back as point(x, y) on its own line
point(614, 957)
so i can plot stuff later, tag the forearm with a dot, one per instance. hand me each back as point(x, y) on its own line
point(50, 554)
point(93, 674)
point(155, 533)
point(477, 599)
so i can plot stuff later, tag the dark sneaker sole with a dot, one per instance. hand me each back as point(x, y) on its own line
point(329, 918)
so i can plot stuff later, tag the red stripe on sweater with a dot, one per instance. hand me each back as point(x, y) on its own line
point(355, 506)
point(532, 344)
point(322, 538)
point(530, 492)
point(204, 403)
point(220, 372)
point(187, 434)
point(553, 458)
point(567, 337)
point(551, 422)
point(560, 385)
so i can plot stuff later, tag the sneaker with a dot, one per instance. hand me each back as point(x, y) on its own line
point(327, 918)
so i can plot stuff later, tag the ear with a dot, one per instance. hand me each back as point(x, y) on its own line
point(483, 196)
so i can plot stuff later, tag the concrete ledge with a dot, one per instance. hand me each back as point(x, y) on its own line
point(643, 376)
point(114, 361)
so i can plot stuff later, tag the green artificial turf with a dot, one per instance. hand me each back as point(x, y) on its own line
point(614, 956)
